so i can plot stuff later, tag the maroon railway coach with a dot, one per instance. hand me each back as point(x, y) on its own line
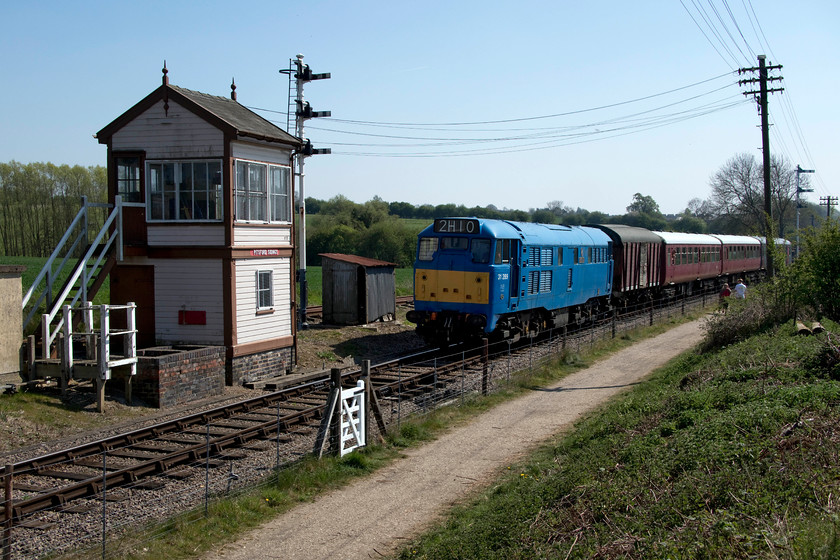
point(637, 261)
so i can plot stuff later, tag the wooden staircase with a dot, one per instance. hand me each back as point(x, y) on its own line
point(66, 336)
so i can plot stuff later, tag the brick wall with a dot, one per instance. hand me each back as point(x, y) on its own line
point(254, 367)
point(169, 376)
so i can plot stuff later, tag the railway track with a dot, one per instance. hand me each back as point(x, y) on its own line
point(162, 451)
point(156, 460)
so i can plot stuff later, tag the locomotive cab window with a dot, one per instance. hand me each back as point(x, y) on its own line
point(502, 251)
point(480, 249)
point(427, 248)
point(454, 243)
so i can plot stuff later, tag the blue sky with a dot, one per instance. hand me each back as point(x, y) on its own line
point(571, 96)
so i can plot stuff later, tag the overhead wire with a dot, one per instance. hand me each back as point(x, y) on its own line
point(517, 138)
point(786, 130)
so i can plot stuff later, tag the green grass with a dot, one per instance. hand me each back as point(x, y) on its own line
point(731, 454)
point(33, 268)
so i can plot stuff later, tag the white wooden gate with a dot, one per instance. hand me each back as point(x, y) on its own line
point(353, 422)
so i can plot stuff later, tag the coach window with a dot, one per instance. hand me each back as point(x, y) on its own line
point(480, 251)
point(428, 246)
point(560, 256)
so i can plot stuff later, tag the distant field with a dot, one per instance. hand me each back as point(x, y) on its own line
point(417, 224)
point(33, 268)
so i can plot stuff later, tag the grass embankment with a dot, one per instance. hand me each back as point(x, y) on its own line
point(731, 454)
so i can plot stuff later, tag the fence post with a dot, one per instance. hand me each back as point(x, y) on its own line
point(508, 360)
point(207, 473)
point(399, 397)
point(651, 313)
point(7, 528)
point(484, 360)
point(463, 373)
point(104, 499)
point(277, 445)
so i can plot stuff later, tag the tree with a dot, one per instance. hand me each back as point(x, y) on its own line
point(543, 216)
point(688, 223)
point(738, 193)
point(821, 264)
point(644, 205)
point(644, 212)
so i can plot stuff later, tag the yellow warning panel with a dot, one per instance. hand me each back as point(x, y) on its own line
point(451, 286)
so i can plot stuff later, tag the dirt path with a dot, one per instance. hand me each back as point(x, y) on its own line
point(374, 516)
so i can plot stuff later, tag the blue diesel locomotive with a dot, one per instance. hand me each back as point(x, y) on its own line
point(501, 279)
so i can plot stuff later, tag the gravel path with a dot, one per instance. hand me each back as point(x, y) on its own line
point(374, 516)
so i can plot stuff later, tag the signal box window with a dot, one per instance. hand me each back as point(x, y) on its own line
point(262, 192)
point(428, 246)
point(265, 299)
point(128, 178)
point(185, 191)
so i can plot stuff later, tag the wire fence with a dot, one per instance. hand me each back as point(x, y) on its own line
point(97, 526)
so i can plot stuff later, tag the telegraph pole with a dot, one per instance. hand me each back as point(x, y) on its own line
point(304, 112)
point(799, 171)
point(828, 202)
point(765, 144)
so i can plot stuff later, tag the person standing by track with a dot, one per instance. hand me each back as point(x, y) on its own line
point(740, 289)
point(725, 292)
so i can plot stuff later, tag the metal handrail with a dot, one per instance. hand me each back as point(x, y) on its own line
point(48, 335)
point(48, 266)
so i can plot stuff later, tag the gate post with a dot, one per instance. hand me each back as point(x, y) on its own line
point(371, 402)
point(335, 417)
point(329, 420)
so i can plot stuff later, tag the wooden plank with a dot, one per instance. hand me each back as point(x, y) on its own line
point(66, 475)
point(23, 487)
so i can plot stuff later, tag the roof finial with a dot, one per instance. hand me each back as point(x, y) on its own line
point(165, 72)
point(233, 89)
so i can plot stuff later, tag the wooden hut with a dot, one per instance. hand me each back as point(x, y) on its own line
point(357, 290)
